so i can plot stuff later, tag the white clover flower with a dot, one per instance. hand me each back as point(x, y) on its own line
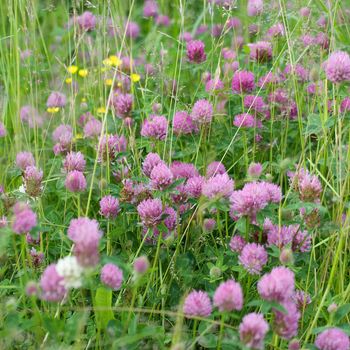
point(71, 271)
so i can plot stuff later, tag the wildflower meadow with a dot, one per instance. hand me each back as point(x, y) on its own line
point(175, 174)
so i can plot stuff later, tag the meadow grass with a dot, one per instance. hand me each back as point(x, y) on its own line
point(147, 312)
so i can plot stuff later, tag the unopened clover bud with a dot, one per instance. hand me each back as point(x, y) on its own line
point(129, 243)
point(287, 214)
point(294, 344)
point(215, 272)
point(32, 289)
point(141, 265)
point(332, 308)
point(209, 225)
point(286, 256)
point(284, 164)
point(269, 177)
point(314, 74)
point(163, 290)
point(11, 304)
point(84, 106)
point(178, 346)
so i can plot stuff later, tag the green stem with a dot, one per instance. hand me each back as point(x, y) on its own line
point(194, 329)
point(221, 333)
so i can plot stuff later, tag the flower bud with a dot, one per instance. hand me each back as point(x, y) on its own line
point(332, 308)
point(215, 272)
point(286, 256)
point(141, 265)
point(209, 225)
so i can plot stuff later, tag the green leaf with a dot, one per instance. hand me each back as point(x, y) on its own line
point(175, 184)
point(103, 307)
point(153, 332)
point(74, 325)
point(342, 311)
point(208, 341)
point(345, 328)
point(53, 326)
point(266, 306)
point(241, 225)
point(319, 329)
point(314, 124)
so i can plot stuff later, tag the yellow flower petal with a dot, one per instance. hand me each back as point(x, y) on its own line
point(69, 81)
point(109, 82)
point(83, 73)
point(72, 69)
point(53, 110)
point(115, 61)
point(135, 77)
point(107, 62)
point(101, 110)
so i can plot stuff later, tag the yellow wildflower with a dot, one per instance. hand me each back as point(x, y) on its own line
point(135, 77)
point(53, 110)
point(101, 110)
point(78, 137)
point(72, 69)
point(83, 73)
point(109, 82)
point(115, 61)
point(107, 62)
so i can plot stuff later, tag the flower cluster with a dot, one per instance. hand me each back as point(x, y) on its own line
point(24, 218)
point(252, 198)
point(308, 186)
point(195, 51)
point(150, 161)
point(279, 286)
point(155, 127)
point(86, 236)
